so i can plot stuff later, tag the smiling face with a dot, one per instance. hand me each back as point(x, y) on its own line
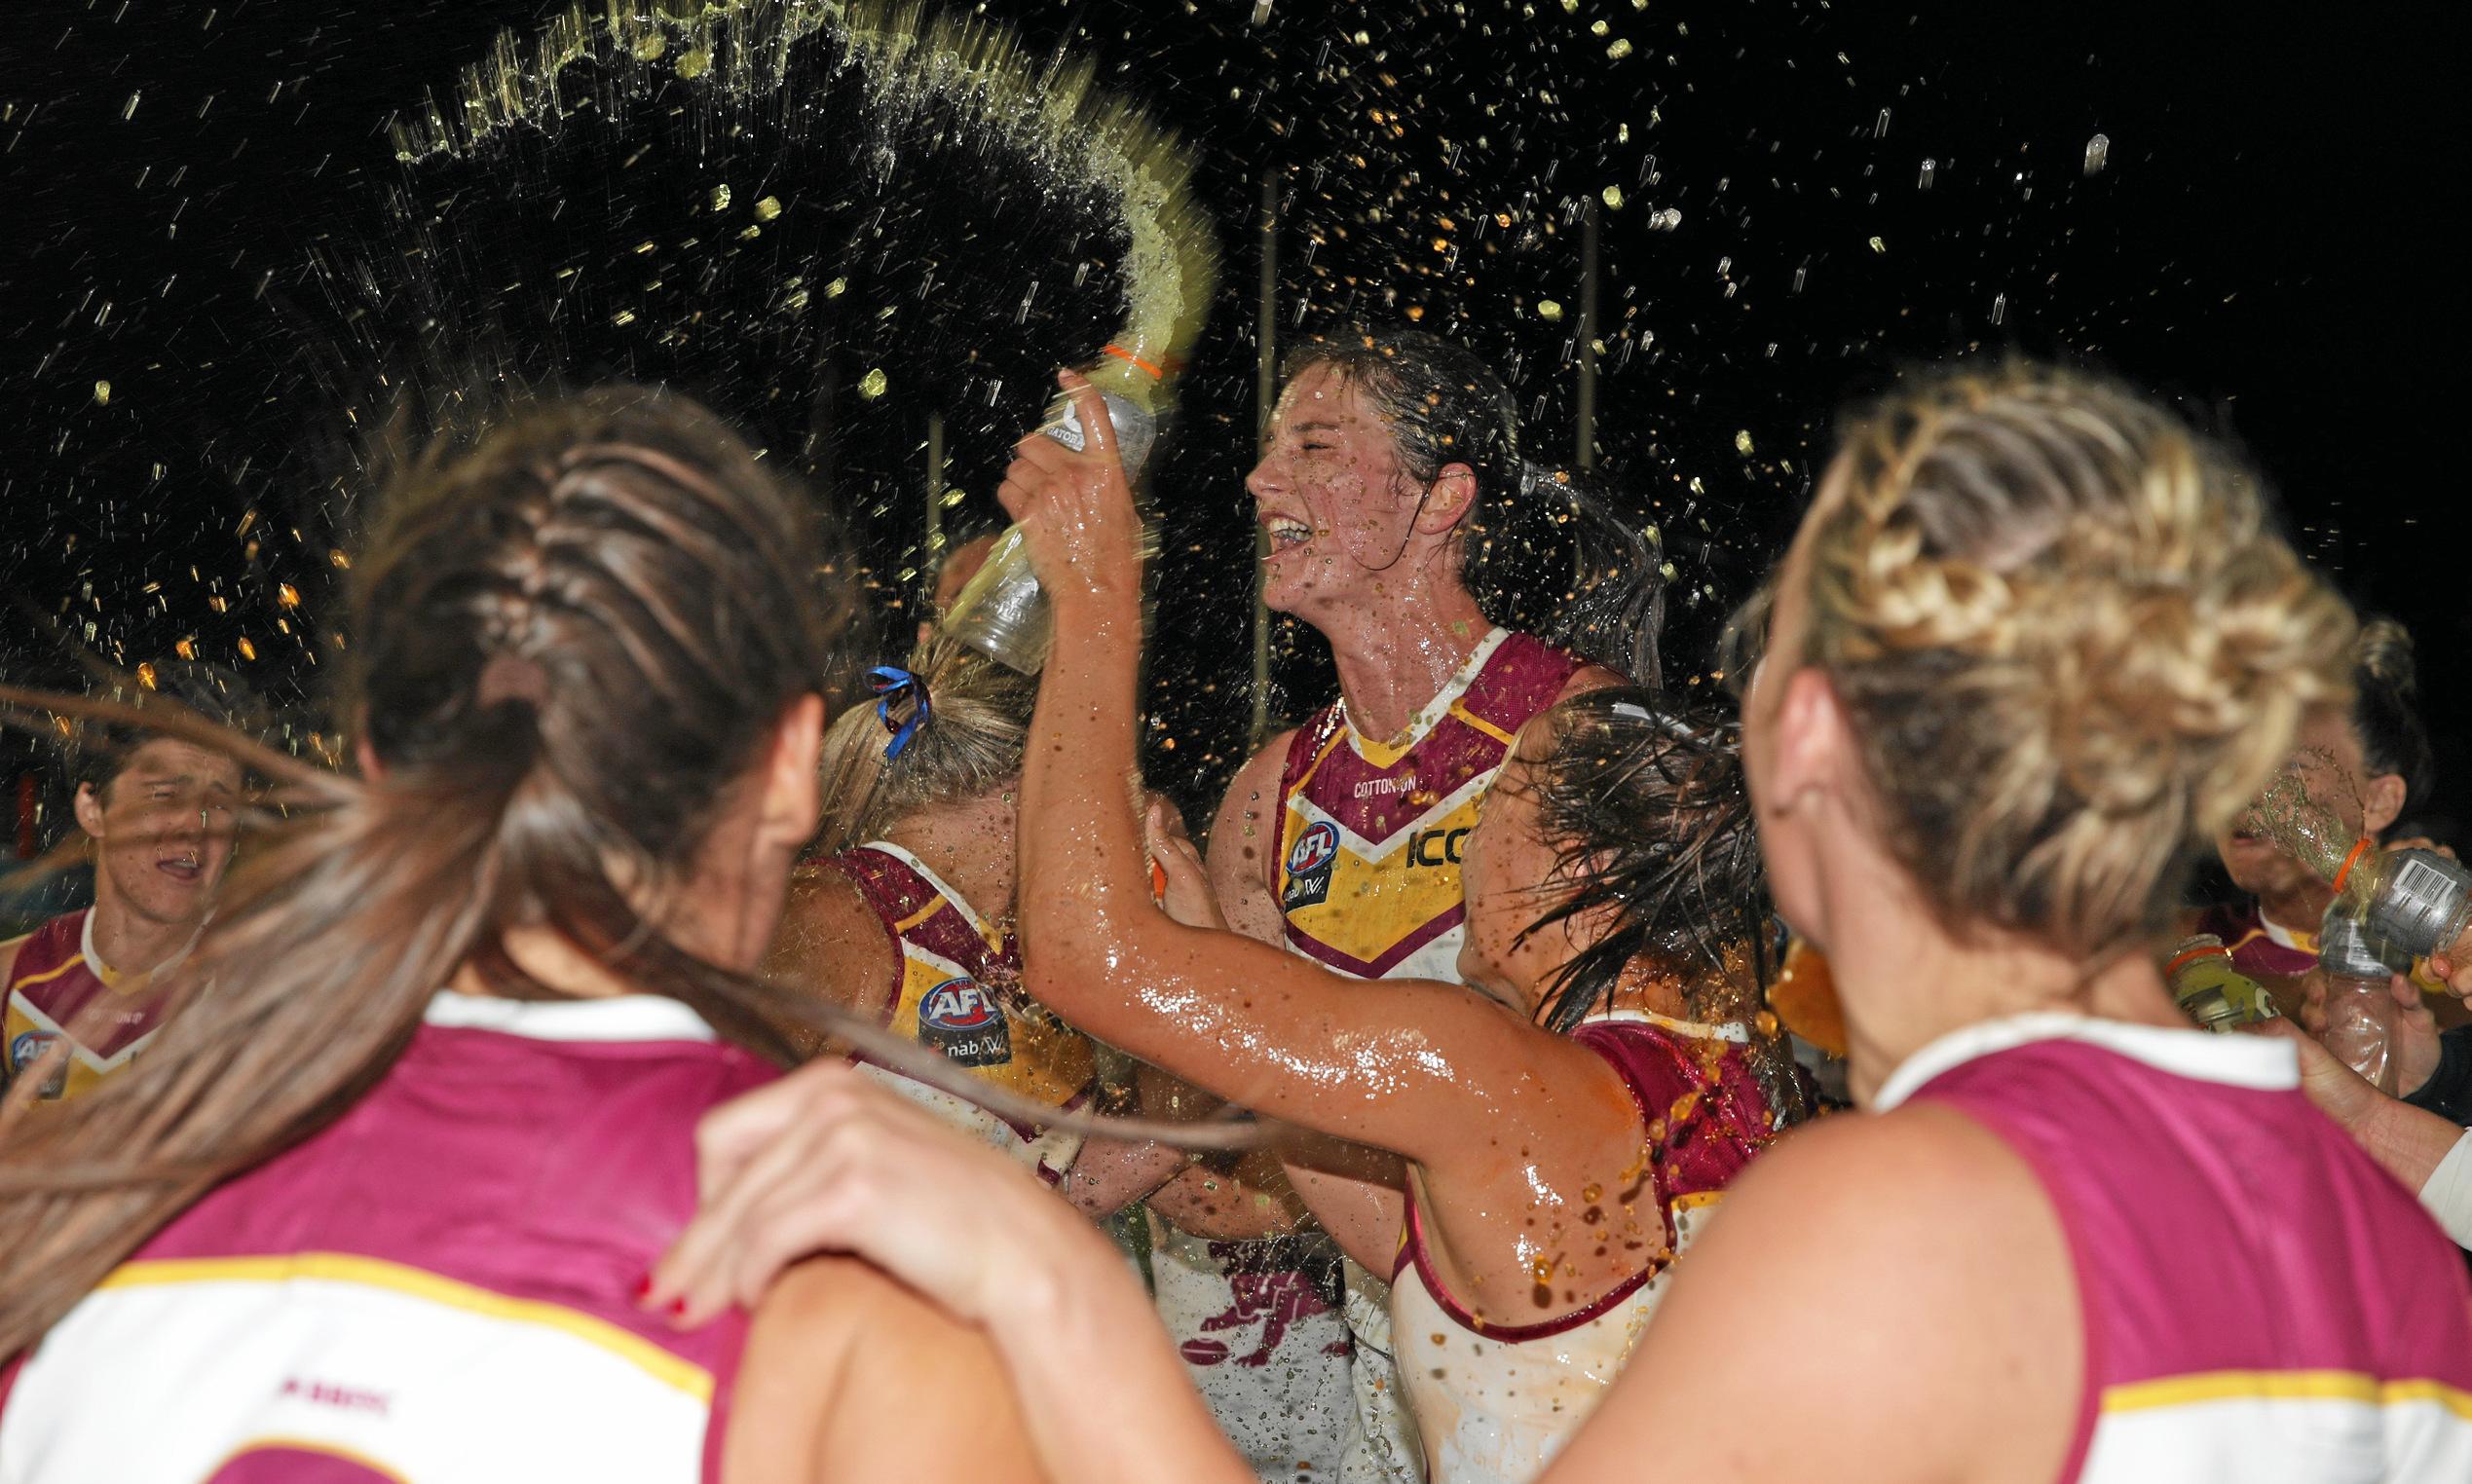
point(162, 828)
point(1332, 493)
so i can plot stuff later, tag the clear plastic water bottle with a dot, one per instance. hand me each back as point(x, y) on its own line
point(1001, 613)
point(2360, 1009)
point(2415, 899)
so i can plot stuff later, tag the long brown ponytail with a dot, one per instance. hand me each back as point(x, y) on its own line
point(568, 639)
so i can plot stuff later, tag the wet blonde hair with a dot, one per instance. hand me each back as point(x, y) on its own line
point(2069, 642)
point(969, 744)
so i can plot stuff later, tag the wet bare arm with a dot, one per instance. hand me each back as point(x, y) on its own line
point(830, 1386)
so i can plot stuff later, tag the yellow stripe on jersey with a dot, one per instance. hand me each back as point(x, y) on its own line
point(373, 1273)
point(2289, 1385)
point(934, 905)
point(1461, 710)
point(75, 961)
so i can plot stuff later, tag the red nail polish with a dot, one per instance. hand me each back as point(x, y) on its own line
point(643, 1287)
point(678, 1307)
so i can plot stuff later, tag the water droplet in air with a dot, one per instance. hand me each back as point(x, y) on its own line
point(102, 394)
point(1549, 311)
point(872, 385)
point(1880, 131)
point(650, 45)
point(2000, 308)
point(1614, 197)
point(721, 197)
point(1925, 182)
point(1877, 245)
point(2098, 154)
point(1620, 49)
point(768, 208)
point(1665, 221)
point(1743, 441)
point(692, 65)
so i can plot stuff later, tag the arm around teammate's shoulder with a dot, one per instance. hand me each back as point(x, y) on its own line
point(1243, 853)
point(1884, 1298)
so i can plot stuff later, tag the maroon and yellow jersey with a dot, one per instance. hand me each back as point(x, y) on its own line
point(61, 990)
point(957, 988)
point(1371, 832)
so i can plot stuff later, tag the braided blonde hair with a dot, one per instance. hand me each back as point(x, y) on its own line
point(2069, 642)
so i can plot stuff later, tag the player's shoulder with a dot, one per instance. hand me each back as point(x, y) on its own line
point(825, 918)
point(1587, 678)
point(9, 951)
point(1255, 786)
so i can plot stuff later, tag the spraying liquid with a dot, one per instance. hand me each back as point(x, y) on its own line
point(2415, 901)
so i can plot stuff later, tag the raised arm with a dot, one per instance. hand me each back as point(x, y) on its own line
point(1244, 1020)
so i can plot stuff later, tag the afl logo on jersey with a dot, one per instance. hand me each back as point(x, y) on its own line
point(1309, 863)
point(961, 1019)
point(26, 1048)
point(1313, 848)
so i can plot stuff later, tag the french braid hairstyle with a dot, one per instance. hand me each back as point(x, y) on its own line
point(2069, 642)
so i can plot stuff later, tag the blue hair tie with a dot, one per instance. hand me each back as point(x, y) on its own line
point(892, 682)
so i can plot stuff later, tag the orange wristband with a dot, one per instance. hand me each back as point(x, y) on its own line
point(1133, 360)
point(2359, 848)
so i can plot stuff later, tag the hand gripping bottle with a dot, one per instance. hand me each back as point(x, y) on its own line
point(2416, 900)
point(2212, 992)
point(1001, 613)
point(2360, 1009)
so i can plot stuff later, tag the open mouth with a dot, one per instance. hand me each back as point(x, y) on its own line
point(186, 869)
point(1286, 534)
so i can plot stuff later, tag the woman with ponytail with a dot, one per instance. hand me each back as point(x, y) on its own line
point(1463, 589)
point(380, 1201)
point(1568, 1116)
point(2034, 642)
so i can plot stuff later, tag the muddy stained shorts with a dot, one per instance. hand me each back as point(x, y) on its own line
point(1259, 1327)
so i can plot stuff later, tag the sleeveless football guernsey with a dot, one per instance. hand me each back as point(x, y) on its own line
point(1494, 1402)
point(60, 989)
point(1370, 830)
point(438, 1288)
point(1367, 880)
point(2262, 1302)
point(955, 988)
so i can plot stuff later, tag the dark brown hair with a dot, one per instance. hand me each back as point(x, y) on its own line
point(1641, 794)
point(569, 641)
point(1543, 549)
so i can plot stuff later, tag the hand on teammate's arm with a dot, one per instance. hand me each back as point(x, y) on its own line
point(824, 1162)
point(2409, 1143)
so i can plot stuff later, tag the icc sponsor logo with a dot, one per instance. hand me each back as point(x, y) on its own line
point(1436, 847)
point(961, 1019)
point(1309, 862)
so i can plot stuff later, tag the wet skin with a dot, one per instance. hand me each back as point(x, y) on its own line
point(1527, 1151)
